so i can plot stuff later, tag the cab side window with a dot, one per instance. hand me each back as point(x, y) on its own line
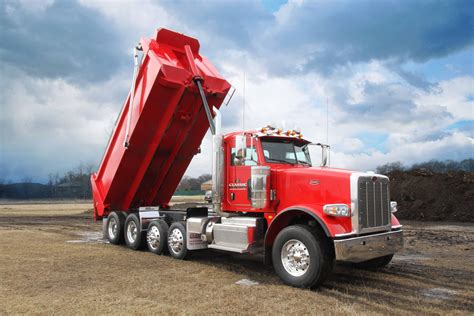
point(243, 156)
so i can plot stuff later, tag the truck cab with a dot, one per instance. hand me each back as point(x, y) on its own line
point(293, 182)
point(269, 174)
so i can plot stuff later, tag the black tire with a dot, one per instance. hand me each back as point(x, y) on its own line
point(374, 264)
point(291, 250)
point(115, 224)
point(177, 241)
point(157, 236)
point(133, 235)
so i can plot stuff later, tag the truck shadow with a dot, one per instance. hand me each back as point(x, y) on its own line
point(409, 287)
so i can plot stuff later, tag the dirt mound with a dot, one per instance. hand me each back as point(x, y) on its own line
point(424, 195)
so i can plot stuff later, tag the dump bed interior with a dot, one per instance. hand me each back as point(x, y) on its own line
point(168, 123)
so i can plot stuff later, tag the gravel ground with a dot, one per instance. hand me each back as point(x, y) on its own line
point(55, 261)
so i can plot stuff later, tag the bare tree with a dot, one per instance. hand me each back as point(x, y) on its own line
point(390, 167)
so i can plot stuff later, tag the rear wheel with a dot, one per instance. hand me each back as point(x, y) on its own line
point(134, 237)
point(374, 264)
point(300, 257)
point(115, 224)
point(157, 236)
point(177, 240)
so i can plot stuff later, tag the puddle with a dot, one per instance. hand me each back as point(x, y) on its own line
point(410, 257)
point(439, 293)
point(246, 282)
point(89, 237)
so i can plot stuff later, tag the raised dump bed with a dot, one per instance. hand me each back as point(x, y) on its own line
point(167, 124)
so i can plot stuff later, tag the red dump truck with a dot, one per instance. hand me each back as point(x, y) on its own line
point(267, 198)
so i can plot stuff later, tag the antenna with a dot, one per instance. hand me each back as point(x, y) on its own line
point(327, 120)
point(243, 106)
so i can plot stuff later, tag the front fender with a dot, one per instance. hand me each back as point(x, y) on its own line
point(328, 224)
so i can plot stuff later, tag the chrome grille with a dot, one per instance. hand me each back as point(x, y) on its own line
point(374, 203)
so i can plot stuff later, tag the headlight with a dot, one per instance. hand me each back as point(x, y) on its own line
point(393, 206)
point(341, 210)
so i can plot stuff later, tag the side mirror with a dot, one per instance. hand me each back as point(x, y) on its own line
point(325, 153)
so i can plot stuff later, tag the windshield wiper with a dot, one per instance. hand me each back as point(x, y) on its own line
point(305, 162)
point(280, 160)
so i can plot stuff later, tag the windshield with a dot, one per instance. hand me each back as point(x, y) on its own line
point(285, 151)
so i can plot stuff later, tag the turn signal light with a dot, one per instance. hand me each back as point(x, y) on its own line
point(339, 210)
point(393, 206)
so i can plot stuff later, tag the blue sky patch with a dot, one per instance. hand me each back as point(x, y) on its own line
point(444, 68)
point(273, 5)
point(465, 125)
point(376, 141)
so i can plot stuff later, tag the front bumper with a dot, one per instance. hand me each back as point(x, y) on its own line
point(364, 248)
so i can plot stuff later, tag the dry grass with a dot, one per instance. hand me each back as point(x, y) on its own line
point(187, 199)
point(56, 209)
point(41, 272)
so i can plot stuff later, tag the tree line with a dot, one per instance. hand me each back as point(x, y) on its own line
point(188, 183)
point(436, 166)
point(74, 184)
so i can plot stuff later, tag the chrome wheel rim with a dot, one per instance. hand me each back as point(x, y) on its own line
point(132, 231)
point(113, 228)
point(176, 241)
point(153, 237)
point(295, 257)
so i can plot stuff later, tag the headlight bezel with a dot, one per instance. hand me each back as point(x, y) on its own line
point(337, 210)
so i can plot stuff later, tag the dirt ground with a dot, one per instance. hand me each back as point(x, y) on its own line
point(53, 260)
point(427, 196)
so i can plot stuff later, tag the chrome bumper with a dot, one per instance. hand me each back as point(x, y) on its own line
point(364, 248)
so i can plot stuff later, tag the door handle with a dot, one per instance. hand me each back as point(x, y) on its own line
point(249, 190)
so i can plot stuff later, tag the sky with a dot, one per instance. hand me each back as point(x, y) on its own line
point(381, 81)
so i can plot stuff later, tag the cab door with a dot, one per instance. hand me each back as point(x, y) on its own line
point(243, 156)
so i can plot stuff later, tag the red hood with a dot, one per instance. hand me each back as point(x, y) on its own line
point(311, 188)
point(315, 171)
point(314, 186)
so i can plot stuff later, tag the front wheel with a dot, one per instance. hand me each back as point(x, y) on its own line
point(300, 257)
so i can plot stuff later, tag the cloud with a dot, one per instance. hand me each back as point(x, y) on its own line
point(322, 35)
point(455, 146)
point(60, 39)
point(51, 125)
point(133, 20)
point(232, 24)
point(69, 71)
point(455, 95)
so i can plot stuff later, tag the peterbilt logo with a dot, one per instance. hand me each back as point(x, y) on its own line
point(238, 186)
point(314, 182)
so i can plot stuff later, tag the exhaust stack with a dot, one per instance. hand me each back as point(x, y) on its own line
point(217, 166)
